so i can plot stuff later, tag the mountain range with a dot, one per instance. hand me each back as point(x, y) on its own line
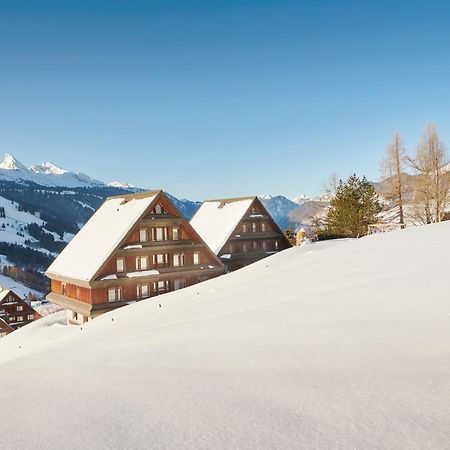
point(50, 175)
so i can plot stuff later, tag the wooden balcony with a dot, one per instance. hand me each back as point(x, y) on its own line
point(160, 220)
point(152, 247)
point(255, 235)
point(158, 274)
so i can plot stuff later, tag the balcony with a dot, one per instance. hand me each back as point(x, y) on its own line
point(162, 272)
point(150, 247)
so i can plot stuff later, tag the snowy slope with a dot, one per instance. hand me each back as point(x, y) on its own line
point(17, 287)
point(341, 344)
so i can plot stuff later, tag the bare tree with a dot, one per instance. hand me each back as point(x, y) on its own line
point(392, 167)
point(330, 186)
point(432, 185)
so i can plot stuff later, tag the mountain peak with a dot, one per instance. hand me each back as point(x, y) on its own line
point(121, 184)
point(47, 168)
point(301, 198)
point(11, 163)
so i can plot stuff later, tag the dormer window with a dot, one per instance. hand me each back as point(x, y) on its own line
point(263, 226)
point(254, 227)
point(244, 228)
point(175, 234)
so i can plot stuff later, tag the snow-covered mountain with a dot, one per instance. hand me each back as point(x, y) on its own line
point(121, 184)
point(335, 345)
point(46, 174)
point(301, 198)
point(279, 207)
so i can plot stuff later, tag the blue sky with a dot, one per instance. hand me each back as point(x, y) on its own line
point(220, 98)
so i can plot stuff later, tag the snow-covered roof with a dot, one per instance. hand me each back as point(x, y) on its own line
point(216, 220)
point(100, 236)
point(4, 293)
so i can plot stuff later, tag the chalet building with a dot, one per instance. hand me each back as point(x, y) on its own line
point(14, 312)
point(5, 328)
point(134, 247)
point(239, 231)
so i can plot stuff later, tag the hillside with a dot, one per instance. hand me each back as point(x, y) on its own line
point(341, 344)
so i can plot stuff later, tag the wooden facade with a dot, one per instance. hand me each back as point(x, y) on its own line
point(255, 236)
point(160, 253)
point(14, 312)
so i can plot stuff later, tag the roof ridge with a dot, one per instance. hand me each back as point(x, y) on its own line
point(136, 195)
point(232, 199)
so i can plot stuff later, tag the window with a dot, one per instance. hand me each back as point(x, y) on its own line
point(120, 264)
point(20, 308)
point(263, 226)
point(245, 247)
point(254, 245)
point(63, 289)
point(159, 234)
point(244, 228)
point(142, 291)
point(30, 317)
point(19, 319)
point(254, 227)
point(230, 248)
point(178, 259)
point(159, 210)
point(160, 259)
point(141, 263)
point(276, 245)
point(175, 233)
point(75, 316)
point(179, 284)
point(196, 258)
point(264, 245)
point(160, 287)
point(114, 294)
point(143, 235)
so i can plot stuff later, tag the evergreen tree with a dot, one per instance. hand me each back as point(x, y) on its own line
point(353, 208)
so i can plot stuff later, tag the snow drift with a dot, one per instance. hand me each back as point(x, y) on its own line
point(342, 344)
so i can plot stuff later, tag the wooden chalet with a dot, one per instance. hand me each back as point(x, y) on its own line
point(14, 312)
point(239, 231)
point(5, 328)
point(134, 247)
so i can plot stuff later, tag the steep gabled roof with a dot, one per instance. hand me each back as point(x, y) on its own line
point(100, 236)
point(4, 293)
point(5, 326)
point(216, 219)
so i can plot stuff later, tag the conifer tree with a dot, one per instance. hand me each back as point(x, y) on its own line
point(353, 208)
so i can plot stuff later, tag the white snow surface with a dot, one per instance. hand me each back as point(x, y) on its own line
point(215, 221)
point(336, 345)
point(101, 234)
